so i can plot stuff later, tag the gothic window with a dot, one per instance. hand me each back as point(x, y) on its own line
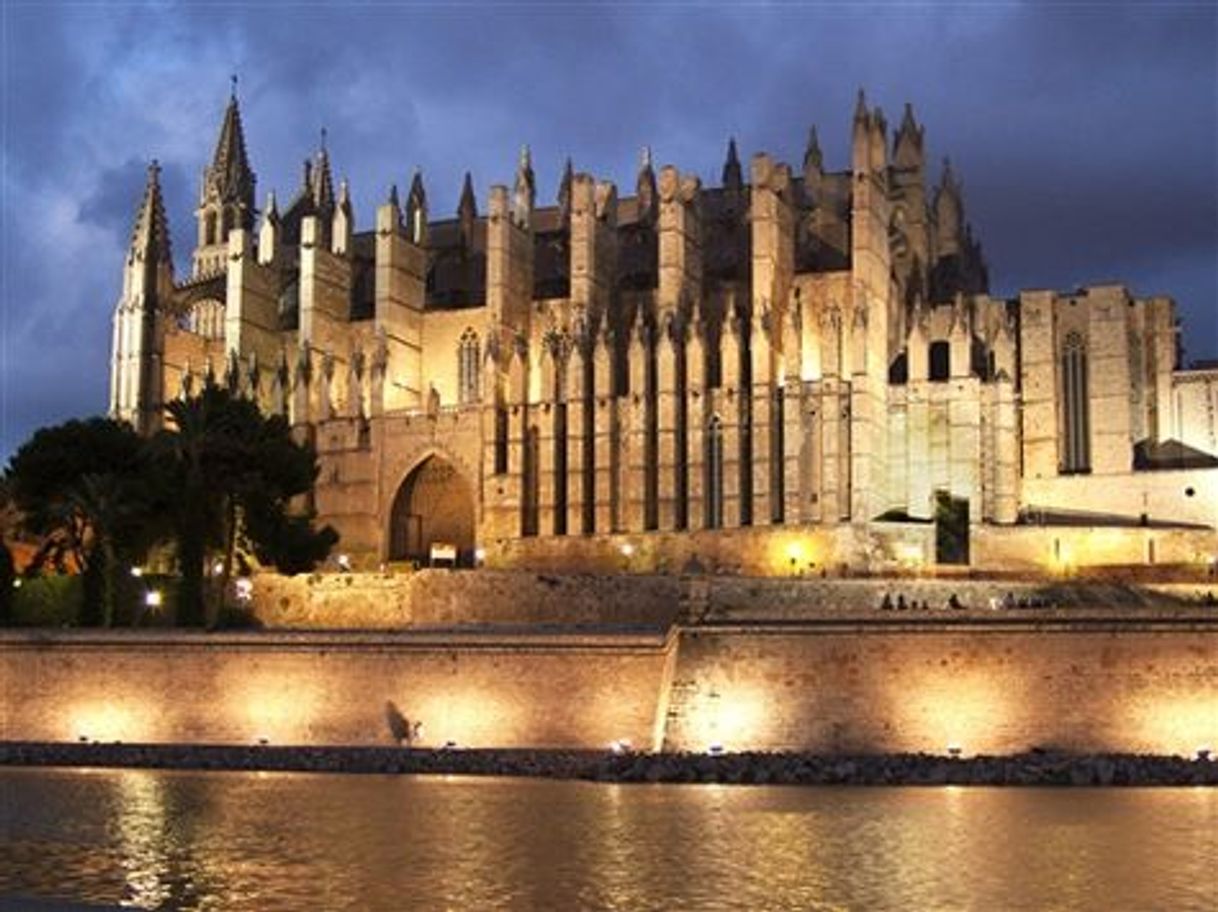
point(209, 228)
point(1076, 422)
point(207, 319)
point(714, 473)
point(940, 361)
point(468, 368)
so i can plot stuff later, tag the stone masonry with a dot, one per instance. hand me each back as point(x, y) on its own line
point(797, 347)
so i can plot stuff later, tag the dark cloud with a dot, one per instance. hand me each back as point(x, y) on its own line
point(1087, 134)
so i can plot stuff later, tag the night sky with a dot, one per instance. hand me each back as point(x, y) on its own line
point(1086, 135)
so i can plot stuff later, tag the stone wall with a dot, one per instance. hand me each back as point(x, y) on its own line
point(794, 550)
point(1004, 684)
point(429, 598)
point(930, 688)
point(558, 691)
point(875, 548)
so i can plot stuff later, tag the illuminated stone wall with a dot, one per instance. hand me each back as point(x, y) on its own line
point(900, 686)
point(568, 691)
point(928, 688)
point(443, 597)
point(875, 548)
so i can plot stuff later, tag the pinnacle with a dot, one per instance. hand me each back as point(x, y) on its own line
point(417, 193)
point(230, 174)
point(150, 234)
point(812, 153)
point(323, 182)
point(733, 176)
point(468, 204)
point(564, 185)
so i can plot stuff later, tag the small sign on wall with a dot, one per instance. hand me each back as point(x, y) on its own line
point(443, 552)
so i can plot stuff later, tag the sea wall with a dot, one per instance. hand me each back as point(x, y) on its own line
point(985, 685)
point(564, 690)
point(1088, 685)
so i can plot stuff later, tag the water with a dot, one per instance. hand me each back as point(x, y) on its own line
point(272, 841)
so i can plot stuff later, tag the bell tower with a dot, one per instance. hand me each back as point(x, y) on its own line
point(135, 357)
point(226, 196)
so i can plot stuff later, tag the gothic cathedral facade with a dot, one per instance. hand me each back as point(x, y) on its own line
point(795, 349)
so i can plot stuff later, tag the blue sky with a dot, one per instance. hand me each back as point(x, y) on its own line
point(1086, 134)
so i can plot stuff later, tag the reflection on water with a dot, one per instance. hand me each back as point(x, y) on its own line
point(259, 841)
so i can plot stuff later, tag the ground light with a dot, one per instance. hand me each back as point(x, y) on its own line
point(153, 598)
point(627, 549)
point(620, 746)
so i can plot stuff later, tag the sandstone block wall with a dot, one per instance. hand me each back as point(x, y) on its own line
point(430, 598)
point(877, 548)
point(566, 691)
point(927, 685)
point(868, 688)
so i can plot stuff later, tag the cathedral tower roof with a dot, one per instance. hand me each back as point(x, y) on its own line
point(150, 235)
point(733, 175)
point(230, 176)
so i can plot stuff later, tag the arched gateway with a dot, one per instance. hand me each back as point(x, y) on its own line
point(434, 506)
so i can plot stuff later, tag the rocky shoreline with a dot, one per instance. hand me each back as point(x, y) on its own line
point(1034, 768)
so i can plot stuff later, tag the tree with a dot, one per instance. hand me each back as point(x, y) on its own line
point(83, 487)
point(233, 472)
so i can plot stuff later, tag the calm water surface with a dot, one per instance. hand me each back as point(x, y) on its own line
point(270, 841)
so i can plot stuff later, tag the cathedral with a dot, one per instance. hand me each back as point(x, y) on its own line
point(798, 351)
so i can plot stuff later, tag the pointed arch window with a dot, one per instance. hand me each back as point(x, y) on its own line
point(714, 473)
point(1076, 420)
point(468, 368)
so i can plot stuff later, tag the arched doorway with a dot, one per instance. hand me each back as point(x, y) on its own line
point(434, 505)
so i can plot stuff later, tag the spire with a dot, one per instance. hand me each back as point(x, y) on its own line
point(467, 211)
point(343, 222)
point(645, 187)
point(416, 208)
point(524, 192)
point(860, 105)
point(564, 189)
point(524, 172)
point(812, 153)
point(393, 197)
point(417, 197)
point(271, 211)
point(468, 206)
point(733, 177)
point(948, 181)
point(323, 182)
point(150, 235)
point(230, 177)
point(907, 145)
